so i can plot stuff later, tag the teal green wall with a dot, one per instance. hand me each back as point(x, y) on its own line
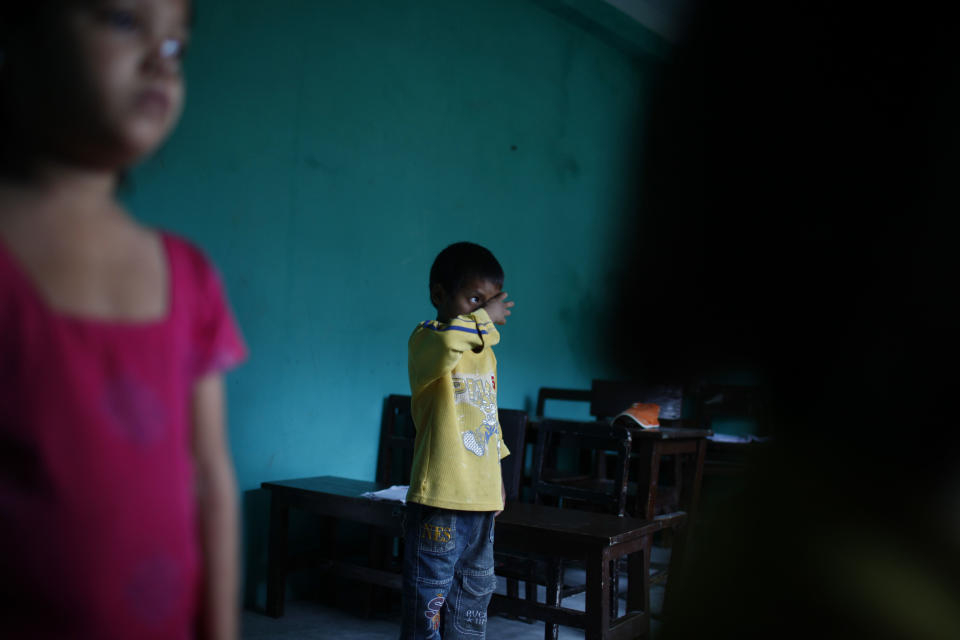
point(330, 149)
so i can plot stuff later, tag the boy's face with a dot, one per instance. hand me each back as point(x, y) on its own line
point(473, 294)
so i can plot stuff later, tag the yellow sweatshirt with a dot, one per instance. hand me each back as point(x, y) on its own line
point(453, 382)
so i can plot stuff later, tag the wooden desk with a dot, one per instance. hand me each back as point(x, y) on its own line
point(648, 446)
point(597, 539)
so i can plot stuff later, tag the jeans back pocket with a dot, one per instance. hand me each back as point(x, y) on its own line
point(438, 530)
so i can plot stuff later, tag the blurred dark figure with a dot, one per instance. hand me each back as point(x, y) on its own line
point(799, 219)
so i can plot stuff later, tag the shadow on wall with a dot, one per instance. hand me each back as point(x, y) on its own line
point(796, 219)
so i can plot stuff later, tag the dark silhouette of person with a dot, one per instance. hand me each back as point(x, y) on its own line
point(798, 219)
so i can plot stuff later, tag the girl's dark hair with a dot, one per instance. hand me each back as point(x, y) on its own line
point(15, 18)
point(23, 18)
point(461, 261)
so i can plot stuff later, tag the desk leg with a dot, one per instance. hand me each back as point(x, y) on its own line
point(694, 480)
point(638, 579)
point(551, 630)
point(277, 556)
point(647, 456)
point(530, 593)
point(675, 572)
point(689, 502)
point(598, 595)
point(380, 548)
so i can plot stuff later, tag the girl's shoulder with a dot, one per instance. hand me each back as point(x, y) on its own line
point(203, 307)
point(190, 266)
point(195, 277)
point(185, 252)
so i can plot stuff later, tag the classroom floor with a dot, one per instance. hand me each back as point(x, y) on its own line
point(312, 620)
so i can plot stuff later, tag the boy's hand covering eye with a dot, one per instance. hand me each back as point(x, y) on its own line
point(498, 309)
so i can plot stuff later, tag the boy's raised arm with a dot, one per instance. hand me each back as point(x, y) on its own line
point(437, 348)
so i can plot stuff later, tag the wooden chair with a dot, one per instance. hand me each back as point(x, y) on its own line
point(607, 398)
point(553, 393)
point(552, 484)
point(397, 434)
point(513, 427)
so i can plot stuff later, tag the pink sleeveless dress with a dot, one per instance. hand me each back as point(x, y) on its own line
point(98, 523)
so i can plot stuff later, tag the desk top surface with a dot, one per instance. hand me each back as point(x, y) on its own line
point(672, 433)
point(582, 527)
point(661, 433)
point(327, 484)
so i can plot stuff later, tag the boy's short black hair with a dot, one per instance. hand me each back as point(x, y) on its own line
point(461, 261)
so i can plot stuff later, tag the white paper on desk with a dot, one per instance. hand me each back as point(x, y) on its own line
point(730, 437)
point(396, 493)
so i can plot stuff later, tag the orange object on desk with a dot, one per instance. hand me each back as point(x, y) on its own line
point(646, 414)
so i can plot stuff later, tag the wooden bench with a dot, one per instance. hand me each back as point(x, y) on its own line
point(596, 539)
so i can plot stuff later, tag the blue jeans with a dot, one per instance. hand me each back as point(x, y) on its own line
point(447, 573)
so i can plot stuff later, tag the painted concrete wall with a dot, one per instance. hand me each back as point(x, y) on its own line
point(330, 149)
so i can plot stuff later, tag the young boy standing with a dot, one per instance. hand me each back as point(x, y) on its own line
point(456, 489)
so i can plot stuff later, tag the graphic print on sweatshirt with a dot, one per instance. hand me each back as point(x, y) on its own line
point(480, 391)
